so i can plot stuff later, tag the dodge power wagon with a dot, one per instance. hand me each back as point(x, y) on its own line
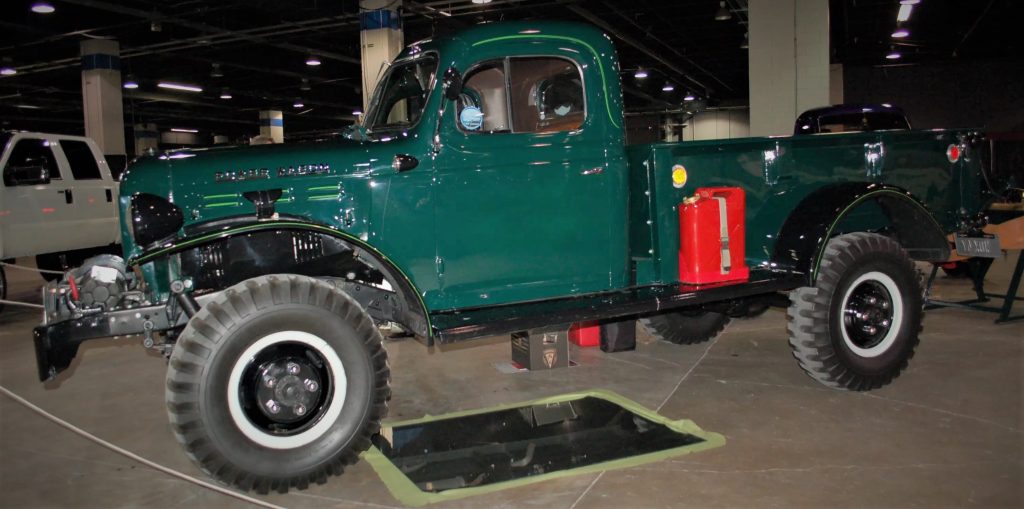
point(489, 190)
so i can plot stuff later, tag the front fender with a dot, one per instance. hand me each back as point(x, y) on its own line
point(246, 248)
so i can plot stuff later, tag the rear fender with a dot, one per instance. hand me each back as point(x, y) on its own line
point(819, 217)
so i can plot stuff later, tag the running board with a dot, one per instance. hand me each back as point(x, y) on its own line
point(465, 324)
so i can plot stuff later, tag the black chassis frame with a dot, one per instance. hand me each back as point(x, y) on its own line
point(57, 343)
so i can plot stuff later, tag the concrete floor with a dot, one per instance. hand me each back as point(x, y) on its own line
point(948, 433)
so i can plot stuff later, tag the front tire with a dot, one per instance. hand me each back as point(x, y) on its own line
point(857, 328)
point(278, 382)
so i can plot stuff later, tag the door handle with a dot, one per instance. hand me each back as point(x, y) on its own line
point(110, 195)
point(69, 196)
point(593, 171)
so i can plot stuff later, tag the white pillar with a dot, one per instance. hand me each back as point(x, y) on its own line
point(380, 39)
point(146, 138)
point(101, 94)
point(789, 62)
point(272, 126)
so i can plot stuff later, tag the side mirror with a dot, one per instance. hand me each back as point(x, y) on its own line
point(27, 175)
point(452, 83)
point(355, 132)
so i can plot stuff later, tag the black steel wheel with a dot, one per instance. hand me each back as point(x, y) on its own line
point(686, 327)
point(857, 328)
point(278, 382)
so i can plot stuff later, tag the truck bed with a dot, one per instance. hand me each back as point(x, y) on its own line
point(776, 174)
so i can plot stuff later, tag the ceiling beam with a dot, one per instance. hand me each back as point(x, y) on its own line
point(209, 29)
point(596, 20)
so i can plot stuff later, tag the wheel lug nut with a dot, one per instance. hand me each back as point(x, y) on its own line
point(872, 330)
point(293, 369)
point(269, 381)
point(872, 300)
point(299, 410)
point(311, 386)
point(885, 323)
point(272, 406)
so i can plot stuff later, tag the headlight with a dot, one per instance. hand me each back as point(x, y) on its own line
point(153, 218)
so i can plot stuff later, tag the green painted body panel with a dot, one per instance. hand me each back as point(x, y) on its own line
point(487, 219)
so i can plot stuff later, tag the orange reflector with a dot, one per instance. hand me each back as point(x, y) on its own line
point(678, 176)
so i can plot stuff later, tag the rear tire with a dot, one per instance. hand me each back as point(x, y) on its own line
point(857, 328)
point(278, 382)
point(686, 327)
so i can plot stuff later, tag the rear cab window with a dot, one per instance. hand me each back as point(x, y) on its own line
point(81, 159)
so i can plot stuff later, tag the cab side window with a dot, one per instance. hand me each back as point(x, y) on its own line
point(522, 95)
point(82, 161)
point(483, 104)
point(30, 153)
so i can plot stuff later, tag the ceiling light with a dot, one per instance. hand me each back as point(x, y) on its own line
point(893, 55)
point(900, 33)
point(8, 71)
point(130, 83)
point(179, 86)
point(42, 7)
point(640, 74)
point(904, 14)
point(690, 97)
point(722, 14)
point(357, 113)
point(313, 60)
point(910, 2)
point(298, 104)
point(481, 1)
point(215, 71)
point(305, 84)
point(668, 87)
point(225, 93)
point(183, 130)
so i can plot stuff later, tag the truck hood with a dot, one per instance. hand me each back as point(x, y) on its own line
point(209, 184)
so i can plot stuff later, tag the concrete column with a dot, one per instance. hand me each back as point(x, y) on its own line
point(380, 38)
point(146, 138)
point(271, 126)
point(789, 62)
point(101, 95)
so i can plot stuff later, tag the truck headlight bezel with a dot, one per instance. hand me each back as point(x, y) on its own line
point(154, 218)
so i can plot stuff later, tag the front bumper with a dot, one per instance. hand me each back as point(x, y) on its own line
point(57, 343)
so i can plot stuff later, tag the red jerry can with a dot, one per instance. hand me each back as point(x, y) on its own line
point(711, 236)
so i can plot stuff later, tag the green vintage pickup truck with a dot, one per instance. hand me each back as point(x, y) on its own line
point(489, 190)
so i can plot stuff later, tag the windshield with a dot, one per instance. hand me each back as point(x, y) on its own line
point(402, 95)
